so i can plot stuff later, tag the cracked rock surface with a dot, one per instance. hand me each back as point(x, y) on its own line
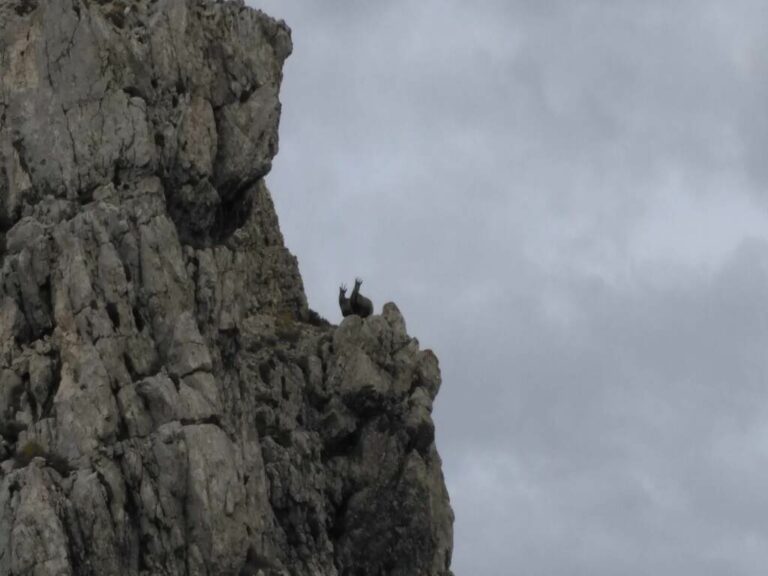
point(168, 403)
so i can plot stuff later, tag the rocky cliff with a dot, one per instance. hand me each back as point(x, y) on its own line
point(168, 403)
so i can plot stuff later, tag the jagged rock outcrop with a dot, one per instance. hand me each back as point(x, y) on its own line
point(168, 403)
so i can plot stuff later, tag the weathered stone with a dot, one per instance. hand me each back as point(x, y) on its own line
point(166, 405)
point(31, 520)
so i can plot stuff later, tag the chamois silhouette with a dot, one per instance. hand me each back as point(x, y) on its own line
point(361, 305)
point(344, 303)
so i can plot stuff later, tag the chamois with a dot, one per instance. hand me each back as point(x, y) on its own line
point(361, 305)
point(344, 303)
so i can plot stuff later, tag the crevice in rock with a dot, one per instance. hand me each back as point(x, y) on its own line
point(138, 319)
point(190, 210)
point(114, 314)
point(28, 389)
point(233, 212)
point(212, 419)
point(336, 527)
point(122, 433)
point(24, 7)
point(132, 372)
point(265, 369)
point(55, 383)
point(245, 95)
point(85, 195)
point(343, 446)
point(229, 346)
point(134, 92)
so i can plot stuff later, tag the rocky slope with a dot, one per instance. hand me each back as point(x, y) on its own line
point(168, 403)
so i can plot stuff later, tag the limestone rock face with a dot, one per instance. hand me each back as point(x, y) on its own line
point(168, 403)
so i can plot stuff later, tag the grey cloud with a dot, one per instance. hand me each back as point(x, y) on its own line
point(630, 443)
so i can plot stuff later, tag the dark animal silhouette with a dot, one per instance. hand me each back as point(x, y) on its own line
point(361, 305)
point(344, 303)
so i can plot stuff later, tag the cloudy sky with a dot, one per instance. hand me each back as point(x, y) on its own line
point(567, 200)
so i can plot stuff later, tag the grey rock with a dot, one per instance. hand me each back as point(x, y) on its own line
point(168, 403)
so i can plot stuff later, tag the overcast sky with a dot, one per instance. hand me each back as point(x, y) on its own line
point(567, 200)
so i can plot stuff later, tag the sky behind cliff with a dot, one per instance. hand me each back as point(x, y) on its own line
point(567, 201)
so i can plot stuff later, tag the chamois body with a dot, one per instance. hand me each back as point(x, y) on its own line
point(361, 305)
